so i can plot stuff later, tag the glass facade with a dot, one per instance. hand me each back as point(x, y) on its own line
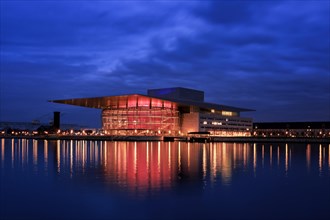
point(141, 115)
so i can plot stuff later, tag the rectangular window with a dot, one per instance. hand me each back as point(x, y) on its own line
point(226, 113)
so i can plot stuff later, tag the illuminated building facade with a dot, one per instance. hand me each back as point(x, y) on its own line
point(170, 111)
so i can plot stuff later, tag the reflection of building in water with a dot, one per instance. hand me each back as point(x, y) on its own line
point(2, 151)
point(323, 158)
point(141, 165)
point(170, 111)
point(150, 166)
point(226, 157)
point(308, 156)
point(154, 165)
point(329, 156)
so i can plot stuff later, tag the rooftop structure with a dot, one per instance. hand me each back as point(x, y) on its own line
point(166, 111)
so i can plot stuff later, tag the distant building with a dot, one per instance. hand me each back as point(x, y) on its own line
point(291, 129)
point(171, 111)
point(33, 126)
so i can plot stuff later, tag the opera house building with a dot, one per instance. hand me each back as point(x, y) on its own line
point(169, 111)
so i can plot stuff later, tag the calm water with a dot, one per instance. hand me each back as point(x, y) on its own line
point(163, 180)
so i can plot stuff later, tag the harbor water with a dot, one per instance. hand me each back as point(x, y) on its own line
point(79, 179)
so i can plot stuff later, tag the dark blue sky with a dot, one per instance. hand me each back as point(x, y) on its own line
point(272, 56)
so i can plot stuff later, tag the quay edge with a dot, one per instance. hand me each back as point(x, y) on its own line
point(171, 138)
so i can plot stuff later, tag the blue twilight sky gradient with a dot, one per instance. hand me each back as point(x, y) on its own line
point(272, 56)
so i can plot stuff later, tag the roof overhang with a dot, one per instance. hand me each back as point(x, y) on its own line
point(124, 100)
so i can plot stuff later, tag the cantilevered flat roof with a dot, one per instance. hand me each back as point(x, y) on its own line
point(109, 101)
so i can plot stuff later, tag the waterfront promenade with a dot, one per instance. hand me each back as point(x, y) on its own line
point(171, 138)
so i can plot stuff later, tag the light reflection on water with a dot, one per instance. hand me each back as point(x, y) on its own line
point(142, 166)
point(77, 179)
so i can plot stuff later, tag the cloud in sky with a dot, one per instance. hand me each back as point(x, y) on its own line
point(272, 56)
